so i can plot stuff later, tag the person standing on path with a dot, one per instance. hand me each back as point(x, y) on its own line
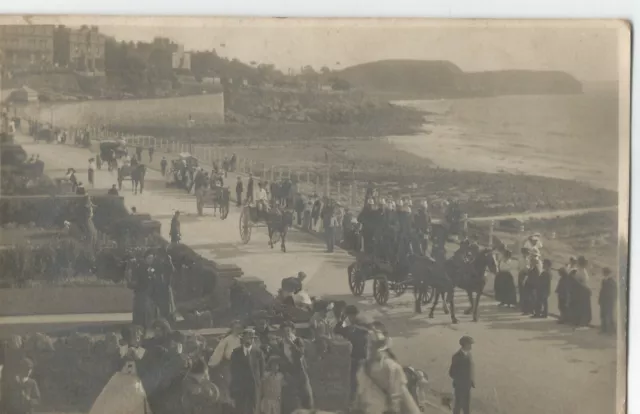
point(239, 190)
point(462, 374)
point(562, 290)
point(297, 392)
point(543, 290)
point(249, 196)
point(330, 223)
point(91, 172)
point(607, 301)
point(163, 166)
point(174, 232)
point(151, 150)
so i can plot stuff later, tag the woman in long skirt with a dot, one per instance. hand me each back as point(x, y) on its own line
point(504, 285)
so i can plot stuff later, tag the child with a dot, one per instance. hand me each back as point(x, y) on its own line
point(272, 388)
point(562, 290)
point(22, 391)
point(543, 290)
point(607, 300)
point(131, 339)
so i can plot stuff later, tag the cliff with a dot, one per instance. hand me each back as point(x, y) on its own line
point(406, 79)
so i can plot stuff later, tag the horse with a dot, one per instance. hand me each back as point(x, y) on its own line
point(137, 177)
point(455, 272)
point(279, 221)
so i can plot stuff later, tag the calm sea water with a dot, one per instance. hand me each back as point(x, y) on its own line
point(571, 137)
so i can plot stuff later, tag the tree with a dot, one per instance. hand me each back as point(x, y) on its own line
point(325, 70)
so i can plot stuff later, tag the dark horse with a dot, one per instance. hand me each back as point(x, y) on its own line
point(278, 222)
point(137, 177)
point(445, 277)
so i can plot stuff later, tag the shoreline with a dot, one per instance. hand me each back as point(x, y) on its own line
point(440, 141)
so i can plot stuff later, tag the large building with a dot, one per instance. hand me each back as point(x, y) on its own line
point(79, 49)
point(27, 47)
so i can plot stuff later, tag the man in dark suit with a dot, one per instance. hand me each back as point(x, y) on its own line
point(297, 392)
point(239, 190)
point(247, 370)
point(461, 372)
point(249, 196)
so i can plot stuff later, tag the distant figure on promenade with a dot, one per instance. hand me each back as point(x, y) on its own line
point(607, 301)
point(163, 166)
point(71, 176)
point(504, 285)
point(563, 291)
point(543, 290)
point(462, 373)
point(139, 152)
point(174, 232)
point(239, 190)
point(113, 190)
point(151, 150)
point(249, 196)
point(91, 172)
point(582, 295)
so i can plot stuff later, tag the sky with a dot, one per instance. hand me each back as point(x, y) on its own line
point(589, 50)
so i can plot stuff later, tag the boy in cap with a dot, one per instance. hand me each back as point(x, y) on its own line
point(462, 374)
point(607, 301)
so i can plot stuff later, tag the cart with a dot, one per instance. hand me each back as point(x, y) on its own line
point(213, 197)
point(386, 277)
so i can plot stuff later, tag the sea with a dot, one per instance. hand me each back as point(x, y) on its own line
point(563, 136)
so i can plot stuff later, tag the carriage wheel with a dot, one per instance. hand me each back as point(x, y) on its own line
point(399, 288)
point(381, 290)
point(356, 281)
point(245, 226)
point(224, 211)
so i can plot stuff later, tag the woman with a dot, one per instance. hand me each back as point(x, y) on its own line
point(321, 329)
point(382, 384)
point(504, 285)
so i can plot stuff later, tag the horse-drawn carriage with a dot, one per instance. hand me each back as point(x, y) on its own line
point(276, 219)
point(213, 197)
point(182, 170)
point(386, 276)
point(136, 173)
point(110, 151)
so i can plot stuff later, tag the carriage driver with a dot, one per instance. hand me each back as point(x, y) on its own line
point(262, 201)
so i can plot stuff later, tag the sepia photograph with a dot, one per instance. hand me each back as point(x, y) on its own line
point(290, 216)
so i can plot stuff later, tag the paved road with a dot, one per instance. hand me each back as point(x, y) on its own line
point(523, 365)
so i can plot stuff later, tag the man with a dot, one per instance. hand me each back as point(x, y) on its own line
point(263, 200)
point(607, 301)
point(239, 190)
point(174, 232)
point(330, 223)
point(543, 290)
point(354, 329)
point(139, 153)
point(299, 207)
point(163, 166)
point(367, 219)
point(294, 367)
point(113, 190)
point(247, 370)
point(293, 284)
point(462, 374)
point(249, 196)
point(151, 150)
point(421, 223)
